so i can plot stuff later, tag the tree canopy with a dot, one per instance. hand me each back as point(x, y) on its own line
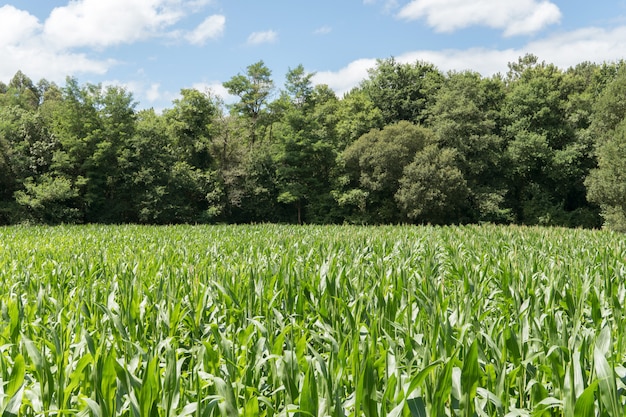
point(410, 144)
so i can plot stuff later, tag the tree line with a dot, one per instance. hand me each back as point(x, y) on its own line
point(410, 144)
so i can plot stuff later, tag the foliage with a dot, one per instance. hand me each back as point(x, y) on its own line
point(373, 167)
point(538, 145)
point(607, 183)
point(271, 320)
point(432, 188)
point(402, 91)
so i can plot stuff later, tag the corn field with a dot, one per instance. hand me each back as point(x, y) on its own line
point(272, 320)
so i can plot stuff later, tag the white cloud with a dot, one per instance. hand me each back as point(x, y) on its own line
point(40, 63)
point(346, 78)
point(100, 23)
point(16, 26)
point(211, 28)
point(513, 17)
point(564, 50)
point(23, 48)
point(387, 4)
point(257, 38)
point(216, 88)
point(324, 30)
point(153, 94)
point(47, 49)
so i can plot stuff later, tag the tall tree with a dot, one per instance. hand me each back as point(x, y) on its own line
point(191, 123)
point(356, 115)
point(402, 91)
point(305, 143)
point(253, 89)
point(372, 168)
point(22, 92)
point(433, 188)
point(465, 117)
point(548, 155)
point(606, 185)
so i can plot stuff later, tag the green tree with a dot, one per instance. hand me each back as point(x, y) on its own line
point(254, 90)
point(106, 193)
point(191, 123)
point(606, 185)
point(465, 117)
point(433, 189)
point(144, 163)
point(372, 168)
point(196, 182)
point(356, 115)
point(21, 92)
point(548, 153)
point(402, 91)
point(50, 199)
point(305, 144)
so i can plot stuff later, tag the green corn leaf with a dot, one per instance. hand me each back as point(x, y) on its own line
point(12, 406)
point(606, 377)
point(251, 409)
point(108, 385)
point(470, 376)
point(17, 376)
point(419, 378)
point(227, 404)
point(585, 404)
point(309, 401)
point(417, 407)
point(149, 391)
point(77, 375)
point(443, 388)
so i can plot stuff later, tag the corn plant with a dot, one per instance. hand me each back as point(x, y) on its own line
point(270, 320)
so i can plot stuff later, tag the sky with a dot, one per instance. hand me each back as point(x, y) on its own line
point(154, 48)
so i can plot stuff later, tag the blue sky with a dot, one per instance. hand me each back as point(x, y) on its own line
point(156, 47)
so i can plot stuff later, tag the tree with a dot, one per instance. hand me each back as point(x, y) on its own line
point(21, 92)
point(432, 188)
point(402, 91)
point(253, 90)
point(372, 168)
point(50, 199)
point(305, 148)
point(191, 123)
point(606, 185)
point(106, 193)
point(356, 115)
point(548, 153)
point(465, 118)
point(145, 162)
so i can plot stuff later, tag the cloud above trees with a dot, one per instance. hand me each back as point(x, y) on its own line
point(564, 50)
point(519, 17)
point(60, 45)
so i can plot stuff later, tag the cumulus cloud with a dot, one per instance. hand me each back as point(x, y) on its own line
point(48, 48)
point(513, 17)
point(257, 38)
point(98, 23)
point(16, 26)
point(22, 47)
point(564, 50)
point(153, 93)
point(346, 78)
point(211, 28)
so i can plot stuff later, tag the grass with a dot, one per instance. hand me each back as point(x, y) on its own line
point(275, 320)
